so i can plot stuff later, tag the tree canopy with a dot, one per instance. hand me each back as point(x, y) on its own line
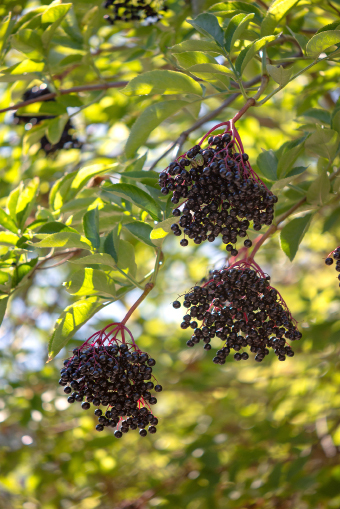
point(91, 113)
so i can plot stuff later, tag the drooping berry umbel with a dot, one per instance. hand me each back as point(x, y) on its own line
point(110, 370)
point(149, 11)
point(67, 139)
point(334, 255)
point(238, 305)
point(218, 192)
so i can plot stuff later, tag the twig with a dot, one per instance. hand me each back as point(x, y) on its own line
point(58, 263)
point(70, 253)
point(273, 228)
point(209, 116)
point(147, 290)
point(52, 95)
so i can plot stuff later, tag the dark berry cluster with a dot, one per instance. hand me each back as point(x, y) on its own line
point(239, 306)
point(149, 11)
point(117, 378)
point(222, 193)
point(334, 255)
point(66, 141)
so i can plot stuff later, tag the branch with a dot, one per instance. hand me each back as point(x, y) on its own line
point(68, 254)
point(273, 228)
point(81, 88)
point(147, 290)
point(209, 116)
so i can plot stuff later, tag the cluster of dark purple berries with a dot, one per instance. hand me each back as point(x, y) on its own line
point(221, 191)
point(66, 141)
point(240, 307)
point(117, 378)
point(334, 255)
point(138, 10)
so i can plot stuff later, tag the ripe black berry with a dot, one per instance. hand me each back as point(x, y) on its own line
point(239, 306)
point(222, 193)
point(67, 140)
point(334, 255)
point(115, 375)
point(176, 304)
point(148, 11)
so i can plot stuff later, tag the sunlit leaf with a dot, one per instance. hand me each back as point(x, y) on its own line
point(162, 82)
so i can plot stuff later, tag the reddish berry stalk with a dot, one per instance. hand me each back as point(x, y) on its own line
point(222, 194)
point(238, 305)
point(110, 370)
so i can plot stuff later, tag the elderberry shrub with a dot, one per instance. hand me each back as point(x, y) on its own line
point(240, 307)
point(149, 11)
point(334, 255)
point(117, 379)
point(66, 141)
point(222, 192)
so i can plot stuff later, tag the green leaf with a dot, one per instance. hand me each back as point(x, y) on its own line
point(33, 136)
point(322, 41)
point(8, 239)
point(12, 202)
point(293, 233)
point(141, 231)
point(86, 282)
point(26, 201)
point(111, 243)
point(55, 128)
point(336, 121)
point(28, 41)
point(189, 58)
point(162, 82)
point(161, 230)
point(237, 25)
point(233, 7)
point(196, 46)
point(55, 227)
point(267, 162)
point(7, 222)
point(86, 173)
point(6, 27)
point(318, 192)
point(138, 197)
point(332, 220)
point(147, 121)
point(249, 52)
point(208, 25)
point(70, 320)
point(66, 240)
point(287, 160)
point(291, 175)
point(96, 259)
point(322, 116)
point(55, 12)
point(91, 227)
point(211, 69)
point(277, 10)
point(323, 142)
point(3, 306)
point(279, 74)
point(126, 257)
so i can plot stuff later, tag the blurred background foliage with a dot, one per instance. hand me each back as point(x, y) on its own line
point(238, 436)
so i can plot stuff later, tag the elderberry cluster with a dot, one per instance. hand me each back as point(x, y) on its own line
point(335, 255)
point(223, 194)
point(134, 10)
point(115, 378)
point(66, 141)
point(240, 307)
